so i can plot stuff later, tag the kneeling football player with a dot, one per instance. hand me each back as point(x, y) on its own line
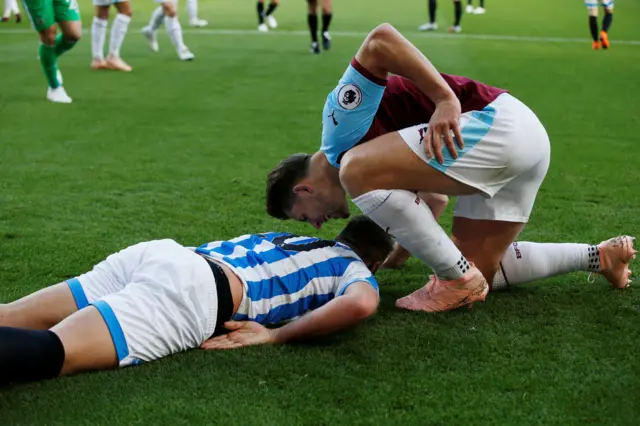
point(386, 137)
point(158, 298)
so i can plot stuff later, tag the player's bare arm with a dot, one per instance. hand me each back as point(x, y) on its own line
point(386, 51)
point(359, 302)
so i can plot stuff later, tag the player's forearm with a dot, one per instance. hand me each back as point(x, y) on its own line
point(387, 51)
point(341, 313)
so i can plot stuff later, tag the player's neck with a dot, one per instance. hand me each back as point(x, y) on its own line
point(321, 168)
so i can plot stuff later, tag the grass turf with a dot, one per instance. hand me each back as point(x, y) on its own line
point(181, 150)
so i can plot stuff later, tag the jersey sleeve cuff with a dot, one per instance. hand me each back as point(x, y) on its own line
point(367, 74)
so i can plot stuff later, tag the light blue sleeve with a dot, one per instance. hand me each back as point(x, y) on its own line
point(348, 113)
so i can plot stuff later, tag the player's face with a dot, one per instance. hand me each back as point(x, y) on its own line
point(317, 206)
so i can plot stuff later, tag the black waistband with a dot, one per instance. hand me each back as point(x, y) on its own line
point(225, 300)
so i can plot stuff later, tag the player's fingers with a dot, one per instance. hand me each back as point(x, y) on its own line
point(436, 145)
point(427, 143)
point(233, 325)
point(458, 135)
point(448, 140)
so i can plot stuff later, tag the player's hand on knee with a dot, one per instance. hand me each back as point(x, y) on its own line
point(242, 333)
point(444, 125)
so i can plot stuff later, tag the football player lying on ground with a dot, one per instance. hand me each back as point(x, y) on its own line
point(158, 298)
point(382, 141)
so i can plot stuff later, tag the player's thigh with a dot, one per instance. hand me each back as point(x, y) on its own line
point(41, 14)
point(87, 342)
point(389, 162)
point(40, 310)
point(608, 5)
point(484, 242)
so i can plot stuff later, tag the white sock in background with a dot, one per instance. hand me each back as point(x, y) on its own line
point(524, 262)
point(175, 32)
point(118, 33)
point(98, 36)
point(157, 17)
point(414, 227)
point(192, 10)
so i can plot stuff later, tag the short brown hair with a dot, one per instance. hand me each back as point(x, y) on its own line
point(367, 239)
point(281, 181)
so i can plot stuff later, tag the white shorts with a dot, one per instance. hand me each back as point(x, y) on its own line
point(157, 298)
point(594, 3)
point(506, 157)
point(108, 2)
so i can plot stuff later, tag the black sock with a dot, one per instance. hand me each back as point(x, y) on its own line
point(433, 5)
point(271, 8)
point(470, 2)
point(27, 355)
point(260, 12)
point(326, 21)
point(482, 4)
point(458, 9)
point(606, 21)
point(312, 20)
point(593, 26)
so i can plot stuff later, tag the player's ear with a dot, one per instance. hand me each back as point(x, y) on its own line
point(302, 187)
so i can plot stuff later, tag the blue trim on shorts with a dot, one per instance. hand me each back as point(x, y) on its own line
point(78, 293)
point(475, 130)
point(117, 335)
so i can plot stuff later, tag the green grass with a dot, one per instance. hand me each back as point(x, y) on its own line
point(181, 150)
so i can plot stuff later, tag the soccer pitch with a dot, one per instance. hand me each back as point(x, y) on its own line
point(181, 150)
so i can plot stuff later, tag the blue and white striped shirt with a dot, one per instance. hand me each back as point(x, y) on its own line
point(285, 275)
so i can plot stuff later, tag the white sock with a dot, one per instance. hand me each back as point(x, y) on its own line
point(175, 32)
point(408, 219)
point(98, 36)
point(524, 262)
point(192, 9)
point(156, 19)
point(118, 33)
point(14, 6)
point(7, 8)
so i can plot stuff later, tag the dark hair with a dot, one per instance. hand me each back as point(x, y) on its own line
point(281, 181)
point(368, 240)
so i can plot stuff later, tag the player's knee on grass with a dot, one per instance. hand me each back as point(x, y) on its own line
point(169, 9)
point(124, 8)
point(593, 11)
point(102, 12)
point(48, 36)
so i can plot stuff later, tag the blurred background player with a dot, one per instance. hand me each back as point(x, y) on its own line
point(432, 25)
point(167, 9)
point(11, 6)
point(312, 21)
point(267, 16)
point(118, 33)
point(44, 14)
point(192, 11)
point(480, 10)
point(592, 7)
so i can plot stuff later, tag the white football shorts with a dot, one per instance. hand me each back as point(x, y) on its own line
point(157, 298)
point(506, 157)
point(107, 2)
point(594, 3)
